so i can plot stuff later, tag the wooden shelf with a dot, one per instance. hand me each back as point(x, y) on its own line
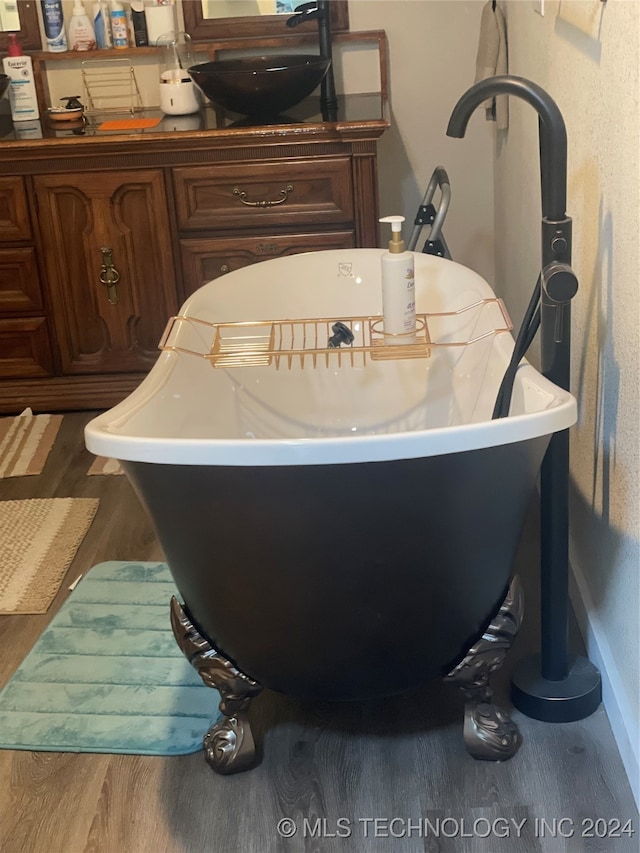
point(110, 53)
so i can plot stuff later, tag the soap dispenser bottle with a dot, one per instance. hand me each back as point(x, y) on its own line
point(398, 289)
point(82, 35)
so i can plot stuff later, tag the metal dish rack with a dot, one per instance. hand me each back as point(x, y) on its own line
point(110, 86)
point(303, 342)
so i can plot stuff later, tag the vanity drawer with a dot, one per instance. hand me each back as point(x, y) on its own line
point(264, 194)
point(19, 281)
point(14, 213)
point(24, 348)
point(204, 260)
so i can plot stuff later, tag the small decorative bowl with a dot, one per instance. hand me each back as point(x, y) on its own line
point(63, 114)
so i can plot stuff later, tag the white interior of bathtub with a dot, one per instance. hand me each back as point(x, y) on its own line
point(334, 408)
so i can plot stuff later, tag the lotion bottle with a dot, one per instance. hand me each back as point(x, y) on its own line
point(22, 90)
point(398, 289)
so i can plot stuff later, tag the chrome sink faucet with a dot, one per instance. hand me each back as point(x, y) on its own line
point(320, 11)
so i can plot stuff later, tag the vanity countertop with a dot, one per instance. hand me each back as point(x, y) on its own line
point(358, 115)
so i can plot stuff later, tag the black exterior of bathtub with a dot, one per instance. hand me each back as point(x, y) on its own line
point(343, 581)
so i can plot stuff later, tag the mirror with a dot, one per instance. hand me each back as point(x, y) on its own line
point(213, 20)
point(242, 8)
point(20, 17)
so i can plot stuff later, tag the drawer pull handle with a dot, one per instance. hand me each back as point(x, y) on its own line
point(224, 269)
point(243, 197)
point(109, 275)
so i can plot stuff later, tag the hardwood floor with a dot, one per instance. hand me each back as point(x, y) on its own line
point(400, 758)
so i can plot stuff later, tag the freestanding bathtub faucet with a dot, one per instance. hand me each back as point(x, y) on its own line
point(551, 686)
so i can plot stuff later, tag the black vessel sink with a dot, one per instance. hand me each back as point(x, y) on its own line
point(260, 85)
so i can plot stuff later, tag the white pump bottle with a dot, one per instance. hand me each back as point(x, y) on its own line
point(398, 289)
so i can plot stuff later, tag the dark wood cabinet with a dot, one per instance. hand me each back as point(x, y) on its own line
point(162, 213)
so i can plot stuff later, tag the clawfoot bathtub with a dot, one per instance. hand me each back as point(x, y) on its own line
point(340, 523)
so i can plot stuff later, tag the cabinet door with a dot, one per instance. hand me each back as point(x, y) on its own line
point(102, 329)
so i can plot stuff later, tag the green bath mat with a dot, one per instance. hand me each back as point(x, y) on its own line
point(107, 675)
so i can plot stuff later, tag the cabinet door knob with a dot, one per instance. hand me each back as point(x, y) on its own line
point(224, 269)
point(284, 193)
point(109, 275)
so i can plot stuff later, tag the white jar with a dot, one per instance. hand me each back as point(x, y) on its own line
point(178, 93)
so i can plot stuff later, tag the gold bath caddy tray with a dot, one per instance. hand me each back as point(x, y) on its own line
point(304, 341)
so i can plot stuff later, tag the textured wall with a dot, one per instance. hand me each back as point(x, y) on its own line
point(585, 53)
point(432, 53)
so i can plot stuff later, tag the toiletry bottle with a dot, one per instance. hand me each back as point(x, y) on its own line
point(105, 8)
point(81, 33)
point(22, 89)
point(99, 27)
point(398, 289)
point(139, 24)
point(53, 20)
point(119, 25)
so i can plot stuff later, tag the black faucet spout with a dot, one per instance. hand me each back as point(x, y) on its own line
point(319, 11)
point(553, 134)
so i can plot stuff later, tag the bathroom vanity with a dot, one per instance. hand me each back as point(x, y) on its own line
point(103, 234)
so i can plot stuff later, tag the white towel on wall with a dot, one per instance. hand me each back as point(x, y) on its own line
point(492, 60)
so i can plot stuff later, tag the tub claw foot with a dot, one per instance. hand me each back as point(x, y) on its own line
point(228, 745)
point(489, 733)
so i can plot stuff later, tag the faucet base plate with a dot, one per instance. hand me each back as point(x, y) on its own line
point(573, 698)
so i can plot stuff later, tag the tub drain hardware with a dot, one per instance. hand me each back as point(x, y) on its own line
point(341, 335)
point(330, 341)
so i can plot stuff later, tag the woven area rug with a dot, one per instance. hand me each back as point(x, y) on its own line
point(107, 674)
point(38, 540)
point(104, 465)
point(25, 442)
